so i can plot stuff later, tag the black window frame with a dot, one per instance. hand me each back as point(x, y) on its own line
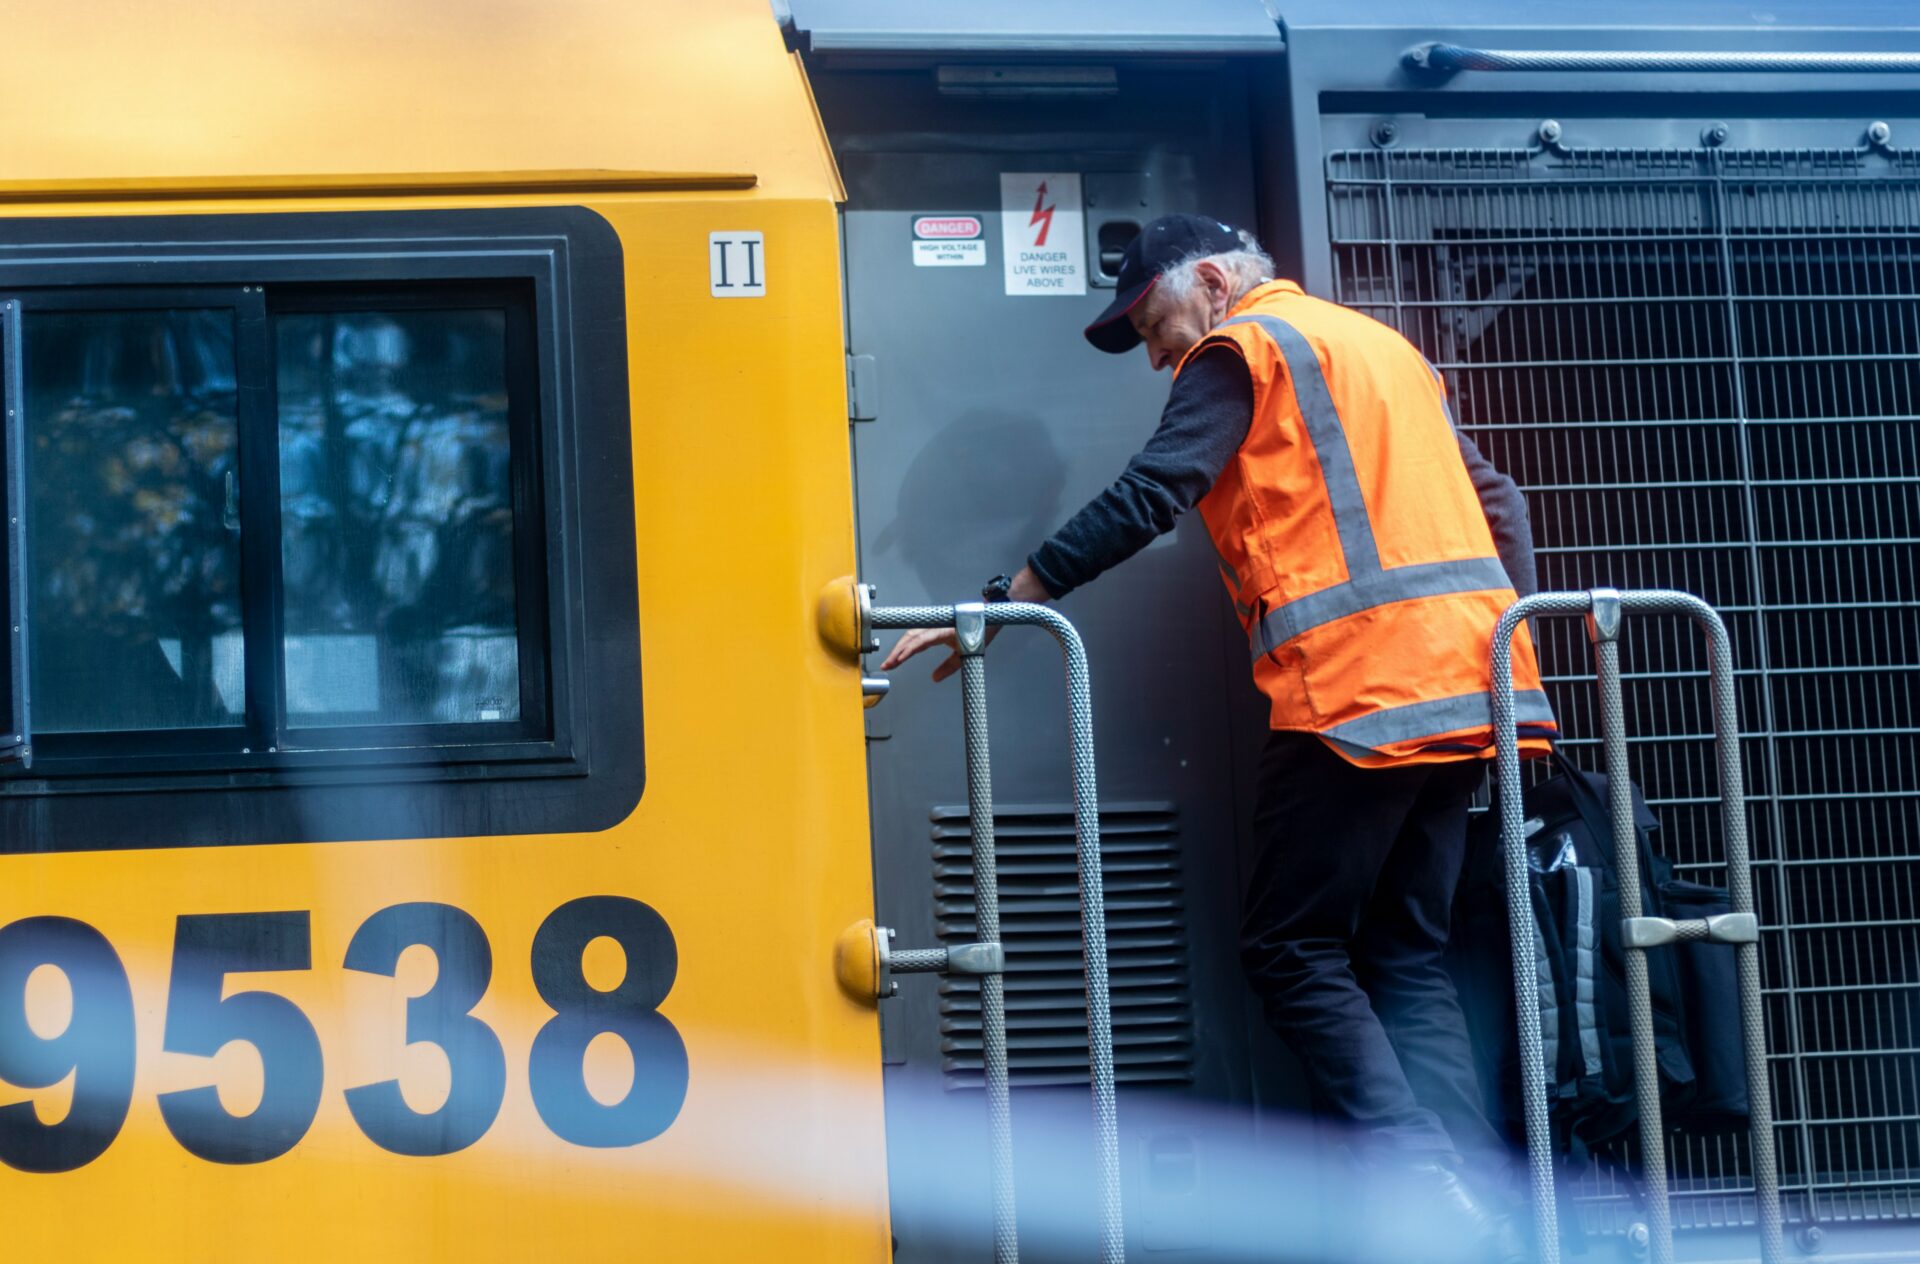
point(264, 737)
point(558, 274)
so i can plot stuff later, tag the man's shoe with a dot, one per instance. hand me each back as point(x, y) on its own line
point(1495, 1237)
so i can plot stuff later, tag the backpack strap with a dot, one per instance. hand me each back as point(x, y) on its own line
point(1586, 797)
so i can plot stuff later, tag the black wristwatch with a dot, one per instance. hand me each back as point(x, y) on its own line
point(997, 588)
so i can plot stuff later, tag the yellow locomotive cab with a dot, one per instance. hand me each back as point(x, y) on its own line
point(432, 808)
point(459, 463)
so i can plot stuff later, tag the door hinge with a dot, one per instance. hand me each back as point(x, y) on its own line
point(863, 388)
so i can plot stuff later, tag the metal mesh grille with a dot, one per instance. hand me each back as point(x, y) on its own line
point(1704, 369)
point(1040, 926)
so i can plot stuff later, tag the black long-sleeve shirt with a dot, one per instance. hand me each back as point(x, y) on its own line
point(1205, 421)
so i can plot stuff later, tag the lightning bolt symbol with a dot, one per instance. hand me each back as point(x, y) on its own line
point(1042, 215)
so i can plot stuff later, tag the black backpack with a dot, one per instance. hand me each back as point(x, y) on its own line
point(1582, 974)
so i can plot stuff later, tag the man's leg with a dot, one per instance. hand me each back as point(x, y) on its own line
point(1398, 957)
point(1324, 829)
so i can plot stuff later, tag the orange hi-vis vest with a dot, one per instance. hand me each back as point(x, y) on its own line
point(1355, 547)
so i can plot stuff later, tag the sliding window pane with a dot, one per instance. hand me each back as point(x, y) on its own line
point(397, 518)
point(132, 453)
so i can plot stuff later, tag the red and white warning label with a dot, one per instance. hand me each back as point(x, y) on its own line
point(1043, 232)
point(948, 241)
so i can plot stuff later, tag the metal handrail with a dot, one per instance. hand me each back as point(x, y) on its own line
point(1442, 58)
point(1603, 608)
point(970, 621)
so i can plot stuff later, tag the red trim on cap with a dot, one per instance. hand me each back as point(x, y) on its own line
point(1137, 300)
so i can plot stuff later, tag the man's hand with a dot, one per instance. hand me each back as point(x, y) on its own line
point(925, 639)
point(1026, 587)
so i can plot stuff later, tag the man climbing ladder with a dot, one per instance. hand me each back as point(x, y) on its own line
point(1369, 550)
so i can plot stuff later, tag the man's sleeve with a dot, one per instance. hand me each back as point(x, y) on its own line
point(1204, 424)
point(1506, 511)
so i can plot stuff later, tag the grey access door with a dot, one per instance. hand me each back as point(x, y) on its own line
point(994, 422)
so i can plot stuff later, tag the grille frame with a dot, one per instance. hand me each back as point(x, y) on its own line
point(1149, 961)
point(1638, 336)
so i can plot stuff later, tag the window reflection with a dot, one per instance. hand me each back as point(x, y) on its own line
point(396, 518)
point(135, 532)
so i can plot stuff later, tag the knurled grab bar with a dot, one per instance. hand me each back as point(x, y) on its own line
point(1603, 608)
point(970, 621)
point(1442, 58)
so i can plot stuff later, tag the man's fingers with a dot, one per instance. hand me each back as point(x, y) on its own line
point(903, 649)
point(912, 643)
point(923, 639)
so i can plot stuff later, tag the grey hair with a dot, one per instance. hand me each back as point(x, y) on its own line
point(1246, 267)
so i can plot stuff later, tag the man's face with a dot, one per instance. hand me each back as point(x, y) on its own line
point(1169, 326)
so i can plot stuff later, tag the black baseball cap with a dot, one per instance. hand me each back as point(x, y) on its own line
point(1160, 245)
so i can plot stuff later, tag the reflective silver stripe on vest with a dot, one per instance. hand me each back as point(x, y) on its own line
point(1402, 583)
point(1435, 716)
point(1232, 576)
point(1446, 406)
point(1329, 441)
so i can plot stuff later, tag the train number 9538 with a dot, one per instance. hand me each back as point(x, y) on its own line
point(96, 1047)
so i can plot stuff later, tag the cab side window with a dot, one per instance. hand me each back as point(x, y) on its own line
point(271, 522)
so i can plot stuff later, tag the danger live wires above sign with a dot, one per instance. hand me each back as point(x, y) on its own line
point(1043, 232)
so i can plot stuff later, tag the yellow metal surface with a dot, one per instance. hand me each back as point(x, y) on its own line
point(837, 613)
point(120, 89)
point(856, 961)
point(751, 838)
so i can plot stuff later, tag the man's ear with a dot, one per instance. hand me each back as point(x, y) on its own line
point(1219, 285)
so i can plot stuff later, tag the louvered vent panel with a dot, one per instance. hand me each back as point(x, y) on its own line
point(1040, 925)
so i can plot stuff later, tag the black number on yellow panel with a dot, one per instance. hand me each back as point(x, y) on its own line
point(95, 1046)
point(440, 1016)
point(556, 1069)
point(207, 948)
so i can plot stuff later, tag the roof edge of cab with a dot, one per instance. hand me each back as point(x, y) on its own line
point(437, 183)
point(1627, 17)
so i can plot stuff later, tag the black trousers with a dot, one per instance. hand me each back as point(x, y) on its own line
point(1346, 921)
